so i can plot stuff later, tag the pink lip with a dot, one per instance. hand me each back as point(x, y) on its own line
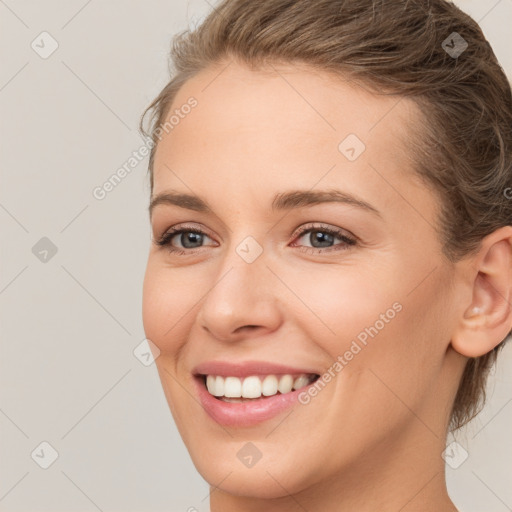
point(245, 414)
point(246, 369)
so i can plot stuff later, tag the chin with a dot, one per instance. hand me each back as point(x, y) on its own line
point(269, 478)
point(254, 483)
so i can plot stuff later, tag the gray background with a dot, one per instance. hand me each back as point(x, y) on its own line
point(70, 324)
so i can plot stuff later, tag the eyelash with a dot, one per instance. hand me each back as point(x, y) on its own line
point(166, 238)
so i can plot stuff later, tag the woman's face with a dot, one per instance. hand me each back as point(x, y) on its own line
point(284, 279)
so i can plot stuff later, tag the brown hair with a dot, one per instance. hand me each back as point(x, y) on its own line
point(404, 48)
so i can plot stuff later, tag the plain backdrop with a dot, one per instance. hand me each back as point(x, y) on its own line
point(72, 268)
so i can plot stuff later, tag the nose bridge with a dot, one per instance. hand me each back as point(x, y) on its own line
point(243, 263)
point(241, 294)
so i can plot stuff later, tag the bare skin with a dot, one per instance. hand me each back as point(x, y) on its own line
point(372, 439)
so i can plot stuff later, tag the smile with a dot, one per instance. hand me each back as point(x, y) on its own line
point(234, 389)
point(245, 394)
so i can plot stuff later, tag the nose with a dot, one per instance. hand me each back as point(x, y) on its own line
point(241, 302)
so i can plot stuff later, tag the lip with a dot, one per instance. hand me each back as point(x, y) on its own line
point(245, 414)
point(247, 368)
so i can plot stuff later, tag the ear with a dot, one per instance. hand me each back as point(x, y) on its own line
point(487, 320)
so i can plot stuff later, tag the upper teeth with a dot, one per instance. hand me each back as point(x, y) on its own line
point(255, 386)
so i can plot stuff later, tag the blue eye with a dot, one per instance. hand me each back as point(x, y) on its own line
point(322, 239)
point(188, 237)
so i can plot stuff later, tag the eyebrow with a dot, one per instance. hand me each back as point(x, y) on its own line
point(281, 201)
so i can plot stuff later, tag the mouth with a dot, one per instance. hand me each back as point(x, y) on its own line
point(232, 389)
point(246, 394)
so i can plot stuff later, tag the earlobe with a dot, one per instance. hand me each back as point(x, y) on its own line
point(487, 320)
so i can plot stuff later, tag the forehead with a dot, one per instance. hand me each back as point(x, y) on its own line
point(256, 130)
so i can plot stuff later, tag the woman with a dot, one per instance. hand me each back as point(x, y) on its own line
point(330, 275)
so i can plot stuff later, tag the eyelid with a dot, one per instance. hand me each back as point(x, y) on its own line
point(319, 226)
point(345, 236)
point(348, 240)
point(165, 238)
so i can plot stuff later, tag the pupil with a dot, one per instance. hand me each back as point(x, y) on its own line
point(190, 238)
point(317, 239)
point(324, 239)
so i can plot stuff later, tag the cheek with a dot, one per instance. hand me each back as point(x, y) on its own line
point(385, 339)
point(340, 305)
point(398, 369)
point(167, 303)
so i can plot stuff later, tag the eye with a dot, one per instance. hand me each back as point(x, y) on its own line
point(323, 239)
point(188, 238)
point(183, 240)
